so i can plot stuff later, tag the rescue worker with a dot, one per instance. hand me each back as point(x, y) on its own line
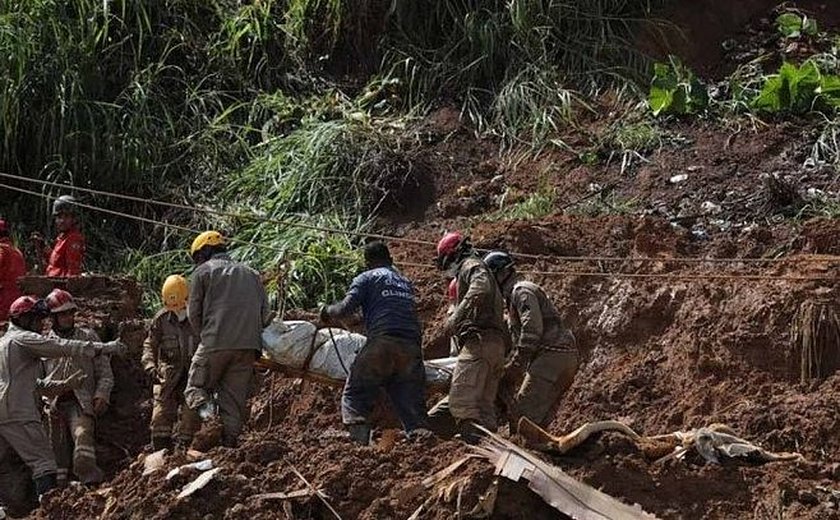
point(167, 352)
point(227, 309)
point(21, 350)
point(73, 413)
point(12, 267)
point(66, 257)
point(478, 328)
point(392, 358)
point(17, 492)
point(544, 348)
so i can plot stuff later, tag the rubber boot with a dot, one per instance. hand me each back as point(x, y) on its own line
point(161, 443)
point(360, 433)
point(229, 441)
point(88, 472)
point(61, 479)
point(467, 432)
point(43, 484)
point(183, 442)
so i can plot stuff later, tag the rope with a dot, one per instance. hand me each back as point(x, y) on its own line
point(687, 277)
point(391, 238)
point(294, 254)
point(337, 353)
point(220, 213)
point(269, 247)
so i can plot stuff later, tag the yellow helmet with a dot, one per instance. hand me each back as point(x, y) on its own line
point(208, 238)
point(175, 293)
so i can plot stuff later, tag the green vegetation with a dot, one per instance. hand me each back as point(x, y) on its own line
point(534, 206)
point(799, 90)
point(792, 25)
point(294, 110)
point(676, 90)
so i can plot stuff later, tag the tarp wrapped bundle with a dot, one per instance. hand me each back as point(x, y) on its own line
point(328, 354)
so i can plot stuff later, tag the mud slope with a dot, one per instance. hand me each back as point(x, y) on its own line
point(699, 342)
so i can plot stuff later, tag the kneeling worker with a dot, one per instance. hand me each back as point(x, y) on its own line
point(392, 357)
point(544, 348)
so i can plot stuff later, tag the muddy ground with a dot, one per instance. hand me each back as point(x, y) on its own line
point(662, 354)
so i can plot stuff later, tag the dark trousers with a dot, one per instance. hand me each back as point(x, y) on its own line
point(395, 365)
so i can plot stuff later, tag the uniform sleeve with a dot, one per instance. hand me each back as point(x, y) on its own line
point(102, 373)
point(528, 307)
point(5, 259)
point(478, 282)
point(53, 347)
point(104, 377)
point(151, 346)
point(352, 301)
point(264, 309)
point(74, 255)
point(195, 308)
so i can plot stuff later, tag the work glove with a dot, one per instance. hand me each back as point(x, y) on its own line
point(323, 314)
point(116, 347)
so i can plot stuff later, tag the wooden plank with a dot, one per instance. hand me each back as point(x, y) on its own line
point(558, 489)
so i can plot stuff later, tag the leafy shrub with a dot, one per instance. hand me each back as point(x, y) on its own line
point(791, 25)
point(676, 90)
point(798, 90)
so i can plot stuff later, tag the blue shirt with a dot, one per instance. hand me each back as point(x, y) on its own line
point(388, 304)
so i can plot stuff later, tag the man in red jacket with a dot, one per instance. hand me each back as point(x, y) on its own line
point(67, 255)
point(12, 267)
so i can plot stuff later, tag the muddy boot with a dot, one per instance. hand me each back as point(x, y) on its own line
point(228, 441)
point(161, 443)
point(467, 432)
point(88, 472)
point(183, 443)
point(44, 484)
point(61, 479)
point(359, 433)
point(419, 434)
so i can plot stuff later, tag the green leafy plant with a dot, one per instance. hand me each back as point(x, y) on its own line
point(798, 90)
point(676, 90)
point(791, 25)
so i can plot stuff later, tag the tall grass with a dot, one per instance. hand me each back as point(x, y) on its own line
point(513, 63)
point(293, 109)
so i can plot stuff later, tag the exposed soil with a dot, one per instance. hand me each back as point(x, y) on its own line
point(661, 354)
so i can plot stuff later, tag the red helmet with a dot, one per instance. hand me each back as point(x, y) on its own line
point(452, 290)
point(60, 301)
point(26, 305)
point(448, 248)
